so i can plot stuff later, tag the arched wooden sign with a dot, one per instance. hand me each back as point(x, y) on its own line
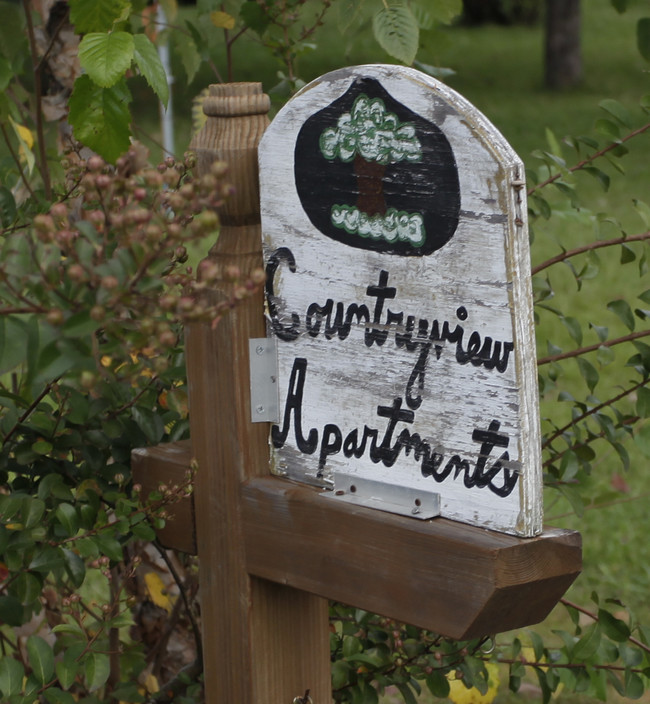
point(398, 292)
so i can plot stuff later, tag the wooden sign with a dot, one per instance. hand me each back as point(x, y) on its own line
point(272, 552)
point(398, 292)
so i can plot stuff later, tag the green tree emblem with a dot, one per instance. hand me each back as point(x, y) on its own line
point(372, 138)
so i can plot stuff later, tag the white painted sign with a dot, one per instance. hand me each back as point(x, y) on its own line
point(398, 291)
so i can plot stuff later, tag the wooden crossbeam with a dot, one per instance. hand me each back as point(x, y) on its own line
point(459, 580)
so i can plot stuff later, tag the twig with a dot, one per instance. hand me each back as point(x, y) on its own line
point(588, 248)
point(592, 348)
point(32, 407)
point(592, 158)
point(595, 409)
point(181, 587)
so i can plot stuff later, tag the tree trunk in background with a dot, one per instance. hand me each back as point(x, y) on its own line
point(563, 59)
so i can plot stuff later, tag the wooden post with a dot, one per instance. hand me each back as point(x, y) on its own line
point(262, 642)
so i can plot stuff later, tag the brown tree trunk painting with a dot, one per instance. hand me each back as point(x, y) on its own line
point(370, 176)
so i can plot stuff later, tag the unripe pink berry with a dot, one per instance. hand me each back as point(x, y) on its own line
point(95, 163)
point(59, 210)
point(110, 282)
point(76, 272)
point(55, 316)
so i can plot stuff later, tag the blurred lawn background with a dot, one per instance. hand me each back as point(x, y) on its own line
point(500, 70)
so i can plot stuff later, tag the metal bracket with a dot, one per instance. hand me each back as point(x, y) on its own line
point(265, 395)
point(385, 497)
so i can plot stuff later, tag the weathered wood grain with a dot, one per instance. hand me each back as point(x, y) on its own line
point(455, 579)
point(476, 284)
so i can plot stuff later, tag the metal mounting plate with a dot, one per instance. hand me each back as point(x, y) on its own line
point(265, 401)
point(385, 497)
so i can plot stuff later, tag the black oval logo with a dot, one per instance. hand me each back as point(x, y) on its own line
point(372, 174)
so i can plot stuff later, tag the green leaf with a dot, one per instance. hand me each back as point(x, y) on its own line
point(643, 210)
point(97, 15)
point(396, 30)
point(11, 676)
point(110, 547)
point(98, 668)
point(75, 567)
point(41, 658)
point(574, 328)
point(150, 423)
point(588, 644)
point(634, 687)
point(100, 117)
point(26, 587)
point(617, 110)
point(619, 5)
point(11, 611)
point(643, 402)
point(55, 695)
point(627, 254)
point(643, 37)
point(13, 37)
point(106, 56)
point(438, 684)
point(642, 440)
point(588, 372)
point(32, 511)
point(622, 309)
point(406, 692)
point(7, 205)
point(613, 627)
point(253, 16)
point(147, 60)
point(608, 128)
point(13, 340)
point(600, 175)
point(340, 674)
point(67, 670)
point(46, 558)
point(189, 55)
point(67, 516)
point(79, 325)
point(445, 11)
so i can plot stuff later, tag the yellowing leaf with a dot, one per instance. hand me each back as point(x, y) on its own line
point(157, 591)
point(151, 683)
point(24, 133)
point(460, 694)
point(26, 141)
point(222, 20)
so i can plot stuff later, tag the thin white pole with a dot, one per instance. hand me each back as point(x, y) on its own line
point(166, 114)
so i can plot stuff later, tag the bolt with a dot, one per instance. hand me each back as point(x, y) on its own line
point(260, 409)
point(259, 349)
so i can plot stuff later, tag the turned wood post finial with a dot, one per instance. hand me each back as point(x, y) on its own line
point(236, 117)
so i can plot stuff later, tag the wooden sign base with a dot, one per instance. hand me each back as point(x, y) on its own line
point(452, 578)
